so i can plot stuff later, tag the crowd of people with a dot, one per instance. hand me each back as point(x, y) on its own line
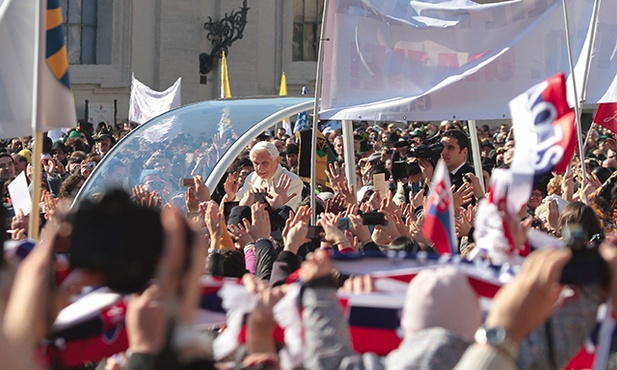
point(256, 226)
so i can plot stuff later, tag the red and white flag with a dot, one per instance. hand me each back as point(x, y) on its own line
point(438, 223)
point(545, 136)
point(606, 116)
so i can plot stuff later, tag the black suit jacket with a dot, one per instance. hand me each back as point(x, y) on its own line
point(457, 178)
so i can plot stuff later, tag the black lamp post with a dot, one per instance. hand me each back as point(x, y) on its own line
point(222, 34)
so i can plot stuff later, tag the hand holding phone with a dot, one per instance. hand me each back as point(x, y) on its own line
point(374, 218)
point(187, 182)
point(260, 197)
point(315, 232)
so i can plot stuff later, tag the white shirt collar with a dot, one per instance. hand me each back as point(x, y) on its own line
point(457, 168)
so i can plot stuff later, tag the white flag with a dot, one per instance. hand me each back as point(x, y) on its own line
point(146, 103)
point(601, 84)
point(441, 59)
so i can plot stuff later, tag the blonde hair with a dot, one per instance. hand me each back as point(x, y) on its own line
point(554, 185)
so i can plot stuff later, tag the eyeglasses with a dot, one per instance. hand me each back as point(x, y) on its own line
point(536, 194)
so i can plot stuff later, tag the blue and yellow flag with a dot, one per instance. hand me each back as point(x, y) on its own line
point(58, 106)
point(55, 49)
point(33, 69)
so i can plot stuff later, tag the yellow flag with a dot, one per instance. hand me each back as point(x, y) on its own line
point(225, 90)
point(283, 92)
point(283, 88)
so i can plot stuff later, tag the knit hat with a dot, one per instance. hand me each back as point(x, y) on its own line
point(441, 297)
point(27, 154)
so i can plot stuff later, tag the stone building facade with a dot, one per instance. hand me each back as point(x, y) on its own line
point(160, 40)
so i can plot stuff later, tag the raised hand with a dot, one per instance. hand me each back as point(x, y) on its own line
point(20, 221)
point(415, 232)
point(402, 228)
point(240, 234)
point(279, 196)
point(146, 198)
point(357, 227)
point(553, 215)
point(201, 190)
point(50, 205)
point(336, 204)
point(318, 264)
point(374, 201)
point(463, 224)
point(427, 168)
point(214, 222)
point(528, 300)
point(231, 186)
point(348, 192)
point(463, 195)
point(192, 203)
point(329, 223)
point(336, 175)
point(417, 199)
point(474, 182)
point(261, 324)
point(259, 227)
point(146, 321)
point(296, 226)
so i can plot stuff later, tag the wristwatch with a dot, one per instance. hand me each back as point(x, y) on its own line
point(498, 338)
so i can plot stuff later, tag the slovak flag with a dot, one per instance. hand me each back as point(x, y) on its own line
point(545, 137)
point(606, 116)
point(438, 223)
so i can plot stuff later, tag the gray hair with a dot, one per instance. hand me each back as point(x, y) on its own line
point(265, 146)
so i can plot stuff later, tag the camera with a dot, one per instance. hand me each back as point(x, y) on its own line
point(315, 232)
point(427, 151)
point(187, 181)
point(123, 241)
point(261, 197)
point(586, 265)
point(344, 223)
point(373, 218)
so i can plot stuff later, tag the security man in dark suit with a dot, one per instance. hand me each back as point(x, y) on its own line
point(454, 154)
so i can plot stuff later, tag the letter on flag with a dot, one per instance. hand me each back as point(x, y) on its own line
point(225, 89)
point(34, 69)
point(438, 223)
point(545, 136)
point(606, 116)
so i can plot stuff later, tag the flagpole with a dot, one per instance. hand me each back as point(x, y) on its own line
point(592, 37)
point(33, 226)
point(579, 129)
point(349, 155)
point(475, 152)
point(39, 51)
point(318, 85)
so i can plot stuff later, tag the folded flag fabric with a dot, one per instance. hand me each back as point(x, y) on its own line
point(93, 327)
point(438, 223)
point(606, 116)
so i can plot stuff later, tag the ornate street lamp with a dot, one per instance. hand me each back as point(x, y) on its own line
point(222, 34)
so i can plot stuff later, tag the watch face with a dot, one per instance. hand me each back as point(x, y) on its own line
point(495, 335)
